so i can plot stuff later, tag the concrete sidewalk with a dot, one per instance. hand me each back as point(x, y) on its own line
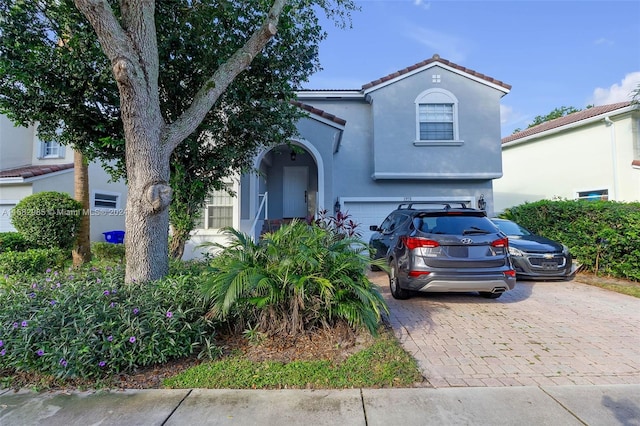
point(524, 405)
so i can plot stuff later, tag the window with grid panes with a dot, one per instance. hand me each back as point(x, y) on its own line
point(436, 121)
point(218, 210)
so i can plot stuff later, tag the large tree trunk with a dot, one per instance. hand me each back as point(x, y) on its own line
point(147, 213)
point(130, 43)
point(82, 250)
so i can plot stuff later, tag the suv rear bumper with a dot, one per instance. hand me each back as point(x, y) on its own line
point(434, 282)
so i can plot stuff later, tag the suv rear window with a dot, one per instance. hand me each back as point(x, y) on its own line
point(454, 224)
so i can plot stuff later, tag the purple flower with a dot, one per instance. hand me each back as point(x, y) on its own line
point(3, 352)
point(34, 285)
point(48, 279)
point(32, 295)
point(48, 270)
point(136, 311)
point(40, 352)
point(110, 338)
point(15, 325)
point(58, 284)
point(169, 314)
point(106, 292)
point(113, 292)
point(1, 343)
point(63, 362)
point(132, 339)
point(98, 280)
point(102, 363)
point(112, 305)
point(53, 302)
point(25, 323)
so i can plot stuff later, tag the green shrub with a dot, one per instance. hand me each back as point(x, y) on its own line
point(14, 241)
point(32, 261)
point(50, 219)
point(89, 323)
point(107, 252)
point(603, 235)
point(298, 278)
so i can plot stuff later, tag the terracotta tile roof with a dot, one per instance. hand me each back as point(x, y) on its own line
point(31, 171)
point(319, 112)
point(567, 119)
point(435, 58)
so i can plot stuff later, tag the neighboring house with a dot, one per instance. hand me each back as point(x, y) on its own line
point(29, 165)
point(429, 132)
point(590, 154)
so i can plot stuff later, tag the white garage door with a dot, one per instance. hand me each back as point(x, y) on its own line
point(368, 213)
point(5, 218)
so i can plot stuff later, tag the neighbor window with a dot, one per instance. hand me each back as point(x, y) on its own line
point(218, 210)
point(106, 200)
point(598, 194)
point(436, 111)
point(52, 150)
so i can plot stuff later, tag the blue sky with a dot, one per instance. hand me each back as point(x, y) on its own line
point(552, 53)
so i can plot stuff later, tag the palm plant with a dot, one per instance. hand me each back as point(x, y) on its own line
point(296, 279)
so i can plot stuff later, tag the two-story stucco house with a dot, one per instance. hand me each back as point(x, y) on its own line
point(590, 154)
point(29, 165)
point(429, 132)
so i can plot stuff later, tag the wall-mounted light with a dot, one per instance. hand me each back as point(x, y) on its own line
point(482, 204)
point(336, 207)
point(293, 155)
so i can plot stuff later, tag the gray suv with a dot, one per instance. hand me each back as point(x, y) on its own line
point(442, 248)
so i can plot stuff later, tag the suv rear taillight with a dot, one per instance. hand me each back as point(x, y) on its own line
point(510, 273)
point(414, 242)
point(502, 242)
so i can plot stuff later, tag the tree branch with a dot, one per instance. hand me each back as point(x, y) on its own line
point(215, 86)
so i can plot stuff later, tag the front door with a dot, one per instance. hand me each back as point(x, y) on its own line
point(295, 195)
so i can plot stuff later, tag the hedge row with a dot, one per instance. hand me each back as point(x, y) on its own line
point(604, 236)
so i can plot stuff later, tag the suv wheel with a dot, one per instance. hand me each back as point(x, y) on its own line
point(394, 285)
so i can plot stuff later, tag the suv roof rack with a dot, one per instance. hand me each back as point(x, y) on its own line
point(446, 204)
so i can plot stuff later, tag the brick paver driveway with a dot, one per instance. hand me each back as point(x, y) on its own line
point(540, 333)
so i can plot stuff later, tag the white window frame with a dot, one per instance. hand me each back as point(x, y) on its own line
point(95, 195)
point(210, 202)
point(52, 149)
point(437, 96)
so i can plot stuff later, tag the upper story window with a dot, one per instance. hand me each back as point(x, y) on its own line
point(436, 122)
point(436, 116)
point(51, 149)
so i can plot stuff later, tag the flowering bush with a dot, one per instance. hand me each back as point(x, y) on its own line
point(91, 324)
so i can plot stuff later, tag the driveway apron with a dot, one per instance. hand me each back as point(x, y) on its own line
point(539, 334)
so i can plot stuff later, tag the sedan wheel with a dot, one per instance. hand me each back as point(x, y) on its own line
point(394, 285)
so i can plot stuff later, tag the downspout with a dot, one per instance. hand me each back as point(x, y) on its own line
point(614, 157)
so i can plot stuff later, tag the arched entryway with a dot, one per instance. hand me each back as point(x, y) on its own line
point(288, 184)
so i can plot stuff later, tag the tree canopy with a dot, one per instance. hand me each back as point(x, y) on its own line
point(242, 59)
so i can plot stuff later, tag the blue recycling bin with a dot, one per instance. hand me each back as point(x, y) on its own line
point(114, 237)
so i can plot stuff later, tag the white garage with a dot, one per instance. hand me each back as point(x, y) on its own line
point(372, 211)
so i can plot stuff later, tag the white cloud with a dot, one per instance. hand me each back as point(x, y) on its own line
point(447, 46)
point(603, 41)
point(617, 92)
point(422, 4)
